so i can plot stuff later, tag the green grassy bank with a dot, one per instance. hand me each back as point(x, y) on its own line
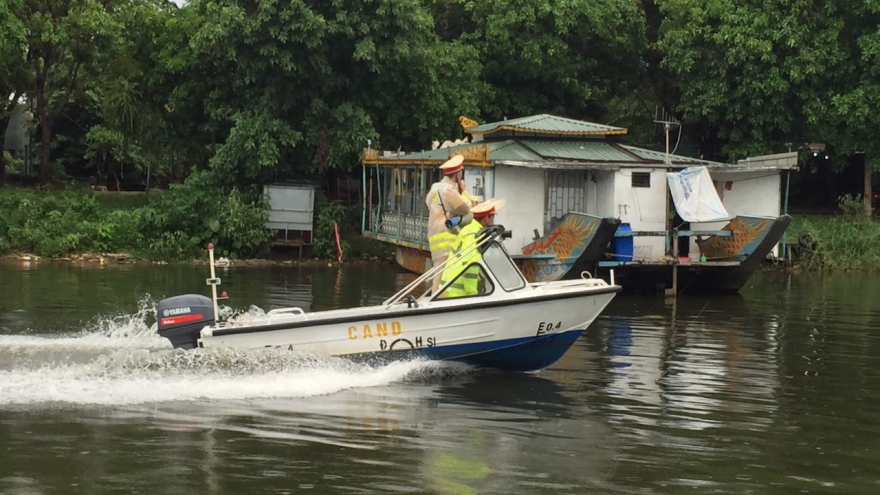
point(835, 242)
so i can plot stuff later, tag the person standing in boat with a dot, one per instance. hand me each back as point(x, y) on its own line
point(449, 210)
point(465, 252)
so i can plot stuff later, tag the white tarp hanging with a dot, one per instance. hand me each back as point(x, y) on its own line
point(695, 197)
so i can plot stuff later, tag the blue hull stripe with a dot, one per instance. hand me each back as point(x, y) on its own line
point(522, 354)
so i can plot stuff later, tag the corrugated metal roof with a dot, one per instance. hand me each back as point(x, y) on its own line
point(659, 156)
point(545, 125)
point(580, 150)
point(779, 161)
point(510, 150)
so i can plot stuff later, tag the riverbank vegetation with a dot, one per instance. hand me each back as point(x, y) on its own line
point(177, 224)
point(207, 102)
point(842, 241)
point(169, 225)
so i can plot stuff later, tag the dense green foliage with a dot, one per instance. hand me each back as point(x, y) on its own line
point(550, 56)
point(258, 89)
point(172, 225)
point(134, 94)
point(330, 215)
point(175, 224)
point(304, 84)
point(53, 225)
point(180, 222)
point(756, 71)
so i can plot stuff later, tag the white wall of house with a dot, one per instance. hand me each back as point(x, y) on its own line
point(611, 194)
point(604, 189)
point(591, 194)
point(750, 193)
point(523, 189)
point(644, 208)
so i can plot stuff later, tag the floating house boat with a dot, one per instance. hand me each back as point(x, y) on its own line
point(579, 200)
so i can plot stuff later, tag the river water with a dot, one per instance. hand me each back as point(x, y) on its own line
point(775, 391)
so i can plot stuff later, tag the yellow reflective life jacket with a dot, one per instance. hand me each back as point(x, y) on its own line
point(460, 263)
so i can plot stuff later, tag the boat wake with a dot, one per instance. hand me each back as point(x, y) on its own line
point(121, 361)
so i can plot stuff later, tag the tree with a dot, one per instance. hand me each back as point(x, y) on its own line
point(65, 38)
point(304, 84)
point(128, 100)
point(565, 57)
point(852, 119)
point(756, 72)
point(189, 84)
point(13, 70)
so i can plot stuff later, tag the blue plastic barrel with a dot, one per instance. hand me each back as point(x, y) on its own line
point(622, 245)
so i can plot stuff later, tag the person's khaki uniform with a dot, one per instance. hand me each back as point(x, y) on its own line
point(444, 201)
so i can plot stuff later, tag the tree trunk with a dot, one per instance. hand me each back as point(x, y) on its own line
point(45, 126)
point(868, 197)
point(45, 148)
point(45, 132)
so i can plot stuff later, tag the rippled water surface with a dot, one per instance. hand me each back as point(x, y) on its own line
point(775, 391)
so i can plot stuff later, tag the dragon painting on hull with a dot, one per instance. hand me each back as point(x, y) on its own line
point(747, 234)
point(575, 244)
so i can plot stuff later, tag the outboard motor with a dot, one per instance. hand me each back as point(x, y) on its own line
point(180, 318)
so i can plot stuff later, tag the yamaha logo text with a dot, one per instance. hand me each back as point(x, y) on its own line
point(177, 311)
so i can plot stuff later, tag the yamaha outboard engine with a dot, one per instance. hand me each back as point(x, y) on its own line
point(180, 318)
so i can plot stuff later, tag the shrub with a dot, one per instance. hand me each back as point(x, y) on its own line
point(354, 244)
point(327, 214)
point(174, 224)
point(845, 242)
point(48, 225)
point(181, 221)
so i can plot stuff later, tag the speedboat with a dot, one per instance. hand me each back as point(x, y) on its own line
point(507, 323)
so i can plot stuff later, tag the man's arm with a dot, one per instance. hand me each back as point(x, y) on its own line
point(455, 204)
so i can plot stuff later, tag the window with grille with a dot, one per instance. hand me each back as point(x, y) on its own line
point(641, 179)
point(565, 193)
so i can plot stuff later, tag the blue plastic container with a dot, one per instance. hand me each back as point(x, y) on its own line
point(622, 245)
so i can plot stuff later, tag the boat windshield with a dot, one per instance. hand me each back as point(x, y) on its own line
point(508, 275)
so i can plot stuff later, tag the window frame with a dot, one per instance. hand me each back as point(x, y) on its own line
point(640, 180)
point(498, 265)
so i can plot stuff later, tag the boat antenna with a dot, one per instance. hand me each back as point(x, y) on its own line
point(213, 281)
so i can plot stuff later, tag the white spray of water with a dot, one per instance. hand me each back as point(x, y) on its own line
point(121, 360)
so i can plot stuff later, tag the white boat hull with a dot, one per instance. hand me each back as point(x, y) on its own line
point(527, 332)
point(504, 323)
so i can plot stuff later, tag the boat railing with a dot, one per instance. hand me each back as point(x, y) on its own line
point(285, 310)
point(430, 274)
point(275, 313)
